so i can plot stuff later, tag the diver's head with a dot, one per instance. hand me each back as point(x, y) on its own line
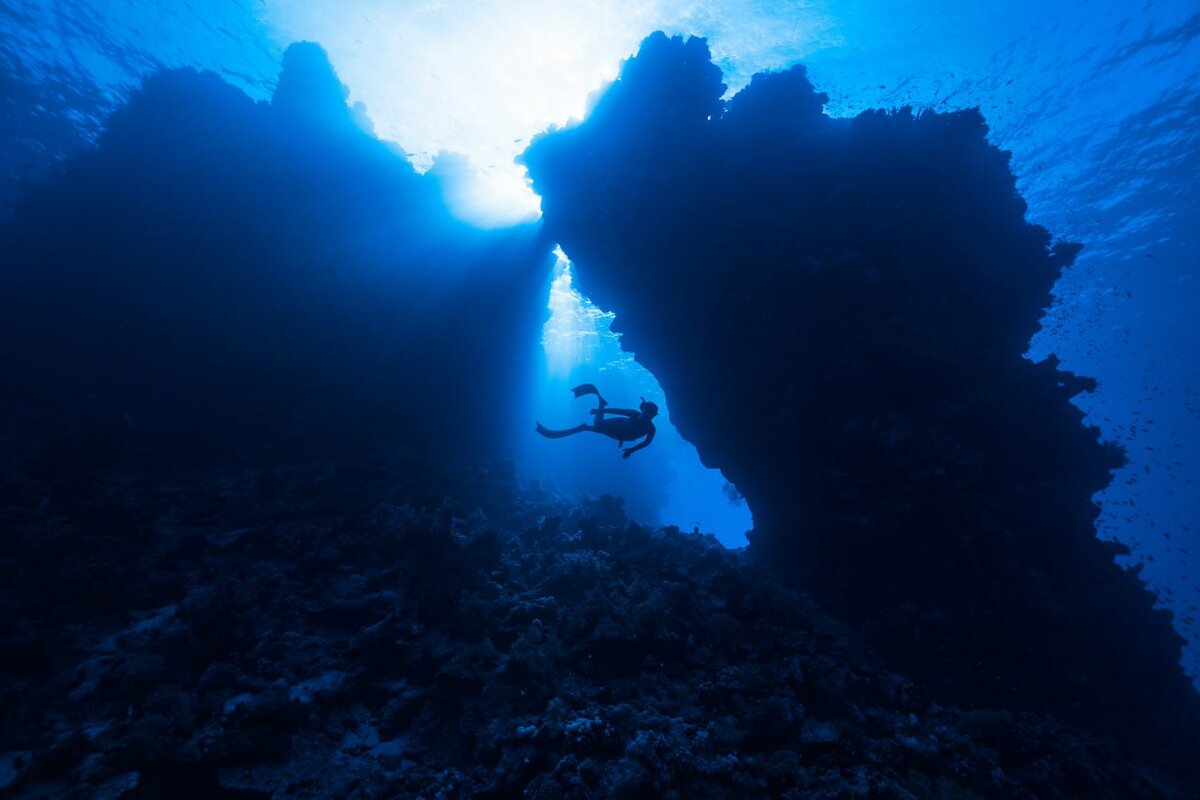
point(649, 410)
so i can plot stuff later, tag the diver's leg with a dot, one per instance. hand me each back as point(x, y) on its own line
point(550, 433)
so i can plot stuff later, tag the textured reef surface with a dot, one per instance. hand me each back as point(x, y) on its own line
point(379, 630)
point(837, 310)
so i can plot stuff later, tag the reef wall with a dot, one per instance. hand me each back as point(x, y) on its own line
point(837, 311)
point(259, 282)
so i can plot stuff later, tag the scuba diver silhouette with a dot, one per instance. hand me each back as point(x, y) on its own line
point(625, 427)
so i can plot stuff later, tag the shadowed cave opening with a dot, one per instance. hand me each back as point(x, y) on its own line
point(664, 484)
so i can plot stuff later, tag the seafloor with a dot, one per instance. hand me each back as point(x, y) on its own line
point(377, 630)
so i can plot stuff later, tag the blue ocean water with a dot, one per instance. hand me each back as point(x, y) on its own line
point(1098, 103)
point(274, 517)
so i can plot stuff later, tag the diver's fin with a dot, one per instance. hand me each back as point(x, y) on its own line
point(585, 388)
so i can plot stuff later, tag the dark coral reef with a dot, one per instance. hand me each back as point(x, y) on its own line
point(223, 279)
point(837, 310)
point(389, 629)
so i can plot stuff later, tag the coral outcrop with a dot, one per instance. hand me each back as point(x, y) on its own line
point(837, 310)
point(233, 281)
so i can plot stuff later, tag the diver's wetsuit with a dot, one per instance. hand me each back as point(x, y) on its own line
point(625, 427)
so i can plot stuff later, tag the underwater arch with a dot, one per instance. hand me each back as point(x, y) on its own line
point(665, 483)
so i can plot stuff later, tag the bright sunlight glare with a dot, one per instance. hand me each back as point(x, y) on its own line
point(572, 335)
point(480, 78)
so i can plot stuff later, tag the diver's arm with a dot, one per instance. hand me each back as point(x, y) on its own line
point(644, 443)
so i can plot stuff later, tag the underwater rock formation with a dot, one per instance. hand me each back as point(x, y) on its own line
point(398, 628)
point(837, 311)
point(256, 282)
point(234, 563)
